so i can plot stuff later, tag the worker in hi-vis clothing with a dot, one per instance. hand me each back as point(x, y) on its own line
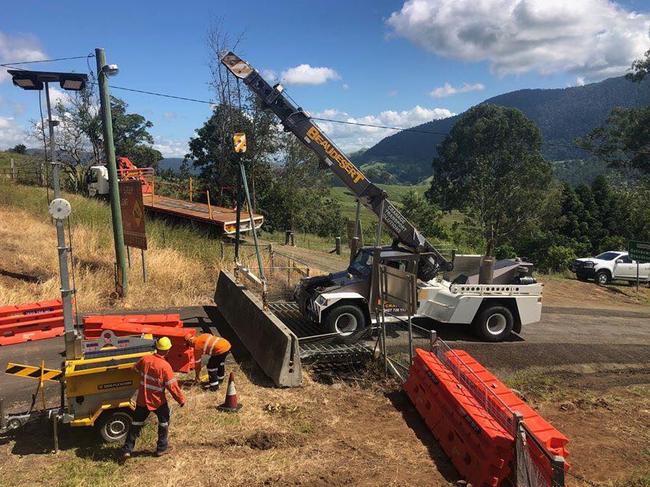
point(156, 375)
point(217, 349)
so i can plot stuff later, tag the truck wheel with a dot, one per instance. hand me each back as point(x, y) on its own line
point(494, 323)
point(115, 426)
point(603, 278)
point(348, 321)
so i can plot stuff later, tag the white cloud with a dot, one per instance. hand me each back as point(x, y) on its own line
point(170, 147)
point(393, 93)
point(345, 86)
point(269, 75)
point(18, 47)
point(305, 74)
point(580, 81)
point(12, 134)
point(354, 137)
point(448, 90)
point(592, 38)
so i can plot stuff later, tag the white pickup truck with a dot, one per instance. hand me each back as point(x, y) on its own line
point(609, 266)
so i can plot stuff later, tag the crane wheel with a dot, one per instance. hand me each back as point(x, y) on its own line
point(494, 323)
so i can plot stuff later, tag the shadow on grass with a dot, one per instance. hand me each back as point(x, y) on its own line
point(413, 420)
point(37, 438)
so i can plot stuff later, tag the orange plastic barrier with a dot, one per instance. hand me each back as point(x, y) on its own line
point(30, 322)
point(93, 323)
point(502, 398)
point(477, 445)
point(180, 357)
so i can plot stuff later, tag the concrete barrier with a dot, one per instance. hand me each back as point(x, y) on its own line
point(272, 345)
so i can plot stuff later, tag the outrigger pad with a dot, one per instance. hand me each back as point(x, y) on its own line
point(271, 344)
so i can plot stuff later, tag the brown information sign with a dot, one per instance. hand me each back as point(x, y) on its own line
point(133, 214)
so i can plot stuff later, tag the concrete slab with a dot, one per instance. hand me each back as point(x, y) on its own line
point(272, 345)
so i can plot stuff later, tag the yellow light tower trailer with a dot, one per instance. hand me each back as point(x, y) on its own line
point(97, 389)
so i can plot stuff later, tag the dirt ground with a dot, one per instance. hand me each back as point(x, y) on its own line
point(341, 434)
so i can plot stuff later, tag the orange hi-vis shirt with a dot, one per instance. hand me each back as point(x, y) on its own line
point(156, 375)
point(210, 345)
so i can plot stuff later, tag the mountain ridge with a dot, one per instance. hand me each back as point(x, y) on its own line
point(562, 114)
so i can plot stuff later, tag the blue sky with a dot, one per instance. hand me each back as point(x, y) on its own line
point(382, 61)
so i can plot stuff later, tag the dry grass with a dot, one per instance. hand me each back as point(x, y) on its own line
point(29, 245)
point(315, 435)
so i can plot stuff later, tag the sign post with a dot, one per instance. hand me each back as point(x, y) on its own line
point(640, 252)
point(132, 206)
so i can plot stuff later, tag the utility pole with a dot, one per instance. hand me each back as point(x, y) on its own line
point(61, 207)
point(109, 149)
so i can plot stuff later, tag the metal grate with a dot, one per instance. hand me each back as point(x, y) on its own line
point(291, 316)
point(319, 349)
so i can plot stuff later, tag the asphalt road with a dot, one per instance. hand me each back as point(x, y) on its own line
point(564, 336)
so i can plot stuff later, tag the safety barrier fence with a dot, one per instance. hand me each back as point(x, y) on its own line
point(181, 356)
point(461, 402)
point(31, 322)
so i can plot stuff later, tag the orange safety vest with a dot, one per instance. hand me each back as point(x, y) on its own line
point(210, 345)
point(156, 375)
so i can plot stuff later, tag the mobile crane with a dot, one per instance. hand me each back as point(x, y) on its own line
point(342, 301)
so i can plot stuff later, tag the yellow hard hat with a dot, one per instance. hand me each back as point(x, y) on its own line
point(163, 344)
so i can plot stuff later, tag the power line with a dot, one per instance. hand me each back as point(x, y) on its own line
point(48, 60)
point(405, 129)
point(164, 95)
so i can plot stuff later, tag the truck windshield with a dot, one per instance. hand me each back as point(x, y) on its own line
point(608, 255)
point(362, 263)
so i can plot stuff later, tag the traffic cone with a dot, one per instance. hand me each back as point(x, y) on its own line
point(230, 404)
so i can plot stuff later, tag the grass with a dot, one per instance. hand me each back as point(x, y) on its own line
point(315, 435)
point(182, 262)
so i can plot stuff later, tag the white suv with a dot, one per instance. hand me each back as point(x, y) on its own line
point(608, 266)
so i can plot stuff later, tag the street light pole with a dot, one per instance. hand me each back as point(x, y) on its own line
point(66, 291)
point(109, 149)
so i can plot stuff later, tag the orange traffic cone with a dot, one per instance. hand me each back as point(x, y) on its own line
point(230, 404)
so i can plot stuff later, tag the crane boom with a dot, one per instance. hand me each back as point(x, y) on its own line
point(295, 120)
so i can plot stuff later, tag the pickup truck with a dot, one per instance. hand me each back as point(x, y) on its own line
point(609, 266)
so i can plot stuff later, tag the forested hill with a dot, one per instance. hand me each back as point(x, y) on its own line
point(561, 114)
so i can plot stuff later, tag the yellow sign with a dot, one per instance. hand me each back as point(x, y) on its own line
point(239, 140)
point(334, 154)
point(32, 371)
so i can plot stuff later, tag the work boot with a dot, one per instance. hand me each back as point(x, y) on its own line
point(214, 388)
point(160, 453)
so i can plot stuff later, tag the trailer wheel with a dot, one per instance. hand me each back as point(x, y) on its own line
point(348, 321)
point(494, 323)
point(115, 425)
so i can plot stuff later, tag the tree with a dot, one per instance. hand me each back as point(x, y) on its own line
point(640, 68)
point(298, 197)
point(131, 135)
point(423, 214)
point(624, 140)
point(19, 149)
point(490, 167)
point(80, 141)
